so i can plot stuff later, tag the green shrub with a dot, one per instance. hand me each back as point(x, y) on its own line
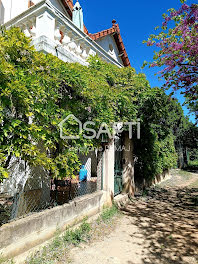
point(193, 163)
point(108, 213)
point(78, 235)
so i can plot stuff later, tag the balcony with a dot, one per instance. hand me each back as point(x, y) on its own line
point(53, 32)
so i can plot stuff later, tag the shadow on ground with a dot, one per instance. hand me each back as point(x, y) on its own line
point(168, 221)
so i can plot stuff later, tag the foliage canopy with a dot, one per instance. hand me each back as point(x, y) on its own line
point(38, 91)
point(177, 51)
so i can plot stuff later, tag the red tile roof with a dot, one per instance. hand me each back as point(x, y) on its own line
point(68, 4)
point(114, 31)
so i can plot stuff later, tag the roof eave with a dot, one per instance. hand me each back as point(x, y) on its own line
point(68, 4)
point(115, 32)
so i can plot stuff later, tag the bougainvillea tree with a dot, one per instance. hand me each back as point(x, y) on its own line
point(177, 52)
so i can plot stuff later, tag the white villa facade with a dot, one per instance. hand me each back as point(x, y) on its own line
point(57, 27)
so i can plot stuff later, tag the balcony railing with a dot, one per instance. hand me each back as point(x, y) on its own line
point(53, 32)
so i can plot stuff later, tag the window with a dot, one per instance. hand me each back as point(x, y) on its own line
point(111, 47)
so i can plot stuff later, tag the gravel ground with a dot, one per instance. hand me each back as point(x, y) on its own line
point(181, 178)
point(159, 228)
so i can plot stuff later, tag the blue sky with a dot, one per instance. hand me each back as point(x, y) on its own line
point(137, 20)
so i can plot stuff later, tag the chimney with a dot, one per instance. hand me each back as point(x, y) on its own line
point(77, 16)
point(30, 3)
point(113, 22)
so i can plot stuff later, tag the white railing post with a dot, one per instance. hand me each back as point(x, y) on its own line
point(45, 25)
point(67, 36)
point(57, 34)
point(43, 19)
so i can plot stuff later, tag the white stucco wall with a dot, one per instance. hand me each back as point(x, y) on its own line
point(5, 8)
point(105, 42)
point(13, 8)
point(1, 12)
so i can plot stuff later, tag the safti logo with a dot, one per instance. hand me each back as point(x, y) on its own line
point(88, 132)
point(64, 121)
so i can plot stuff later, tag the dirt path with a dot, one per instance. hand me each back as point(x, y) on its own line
point(180, 178)
point(160, 228)
point(124, 245)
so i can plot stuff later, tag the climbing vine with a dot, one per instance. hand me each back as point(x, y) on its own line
point(38, 91)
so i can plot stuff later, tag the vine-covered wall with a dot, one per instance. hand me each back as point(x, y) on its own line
point(38, 91)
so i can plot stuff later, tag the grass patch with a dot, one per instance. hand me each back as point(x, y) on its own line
point(185, 175)
point(57, 251)
point(108, 213)
point(193, 163)
point(4, 260)
point(79, 235)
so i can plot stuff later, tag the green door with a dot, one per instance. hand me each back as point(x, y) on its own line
point(118, 167)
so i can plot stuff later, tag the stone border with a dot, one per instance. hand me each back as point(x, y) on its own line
point(21, 235)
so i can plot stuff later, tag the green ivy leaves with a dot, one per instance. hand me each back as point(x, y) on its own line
point(38, 91)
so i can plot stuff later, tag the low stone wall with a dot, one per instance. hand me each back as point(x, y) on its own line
point(23, 234)
point(143, 183)
point(161, 177)
point(122, 200)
